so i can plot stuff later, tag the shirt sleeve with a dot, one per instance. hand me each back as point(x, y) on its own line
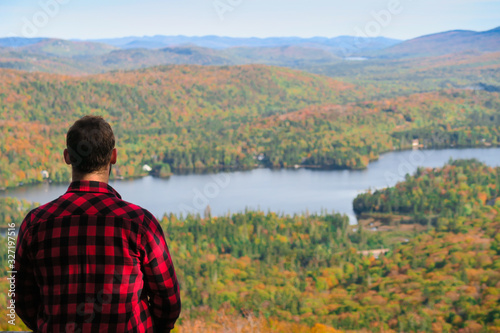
point(160, 278)
point(27, 294)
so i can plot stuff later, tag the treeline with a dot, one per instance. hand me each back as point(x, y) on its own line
point(439, 197)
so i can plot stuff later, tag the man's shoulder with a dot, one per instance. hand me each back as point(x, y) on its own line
point(111, 206)
point(131, 210)
point(136, 213)
point(36, 214)
point(40, 211)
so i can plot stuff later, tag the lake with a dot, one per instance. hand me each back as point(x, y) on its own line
point(289, 191)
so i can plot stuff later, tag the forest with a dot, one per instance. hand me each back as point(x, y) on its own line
point(187, 118)
point(305, 272)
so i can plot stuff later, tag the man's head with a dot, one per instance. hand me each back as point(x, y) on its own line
point(90, 146)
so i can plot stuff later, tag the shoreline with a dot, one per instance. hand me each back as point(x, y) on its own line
point(220, 169)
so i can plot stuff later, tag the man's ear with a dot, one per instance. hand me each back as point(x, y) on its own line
point(113, 156)
point(66, 156)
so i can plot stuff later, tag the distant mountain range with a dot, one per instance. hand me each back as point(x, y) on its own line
point(94, 56)
point(445, 43)
point(335, 45)
point(85, 57)
point(340, 46)
point(19, 41)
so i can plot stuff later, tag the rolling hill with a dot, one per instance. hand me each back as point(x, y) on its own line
point(19, 41)
point(64, 48)
point(209, 102)
point(183, 117)
point(71, 57)
point(392, 77)
point(287, 56)
point(446, 43)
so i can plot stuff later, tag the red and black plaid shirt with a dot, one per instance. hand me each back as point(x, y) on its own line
point(91, 262)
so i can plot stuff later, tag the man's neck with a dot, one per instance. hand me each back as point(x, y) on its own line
point(98, 177)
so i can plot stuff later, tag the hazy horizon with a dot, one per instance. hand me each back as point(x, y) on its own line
point(226, 36)
point(396, 19)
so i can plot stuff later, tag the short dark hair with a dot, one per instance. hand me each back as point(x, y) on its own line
point(90, 142)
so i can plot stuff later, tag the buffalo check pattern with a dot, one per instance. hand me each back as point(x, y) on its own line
point(89, 261)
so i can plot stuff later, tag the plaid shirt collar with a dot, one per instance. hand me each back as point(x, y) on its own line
point(92, 186)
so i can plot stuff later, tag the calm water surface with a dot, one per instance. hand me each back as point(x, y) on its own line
point(287, 191)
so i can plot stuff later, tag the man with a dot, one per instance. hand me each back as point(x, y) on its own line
point(89, 261)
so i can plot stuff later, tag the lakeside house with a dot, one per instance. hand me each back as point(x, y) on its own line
point(374, 253)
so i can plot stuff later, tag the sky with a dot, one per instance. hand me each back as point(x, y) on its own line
point(94, 19)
